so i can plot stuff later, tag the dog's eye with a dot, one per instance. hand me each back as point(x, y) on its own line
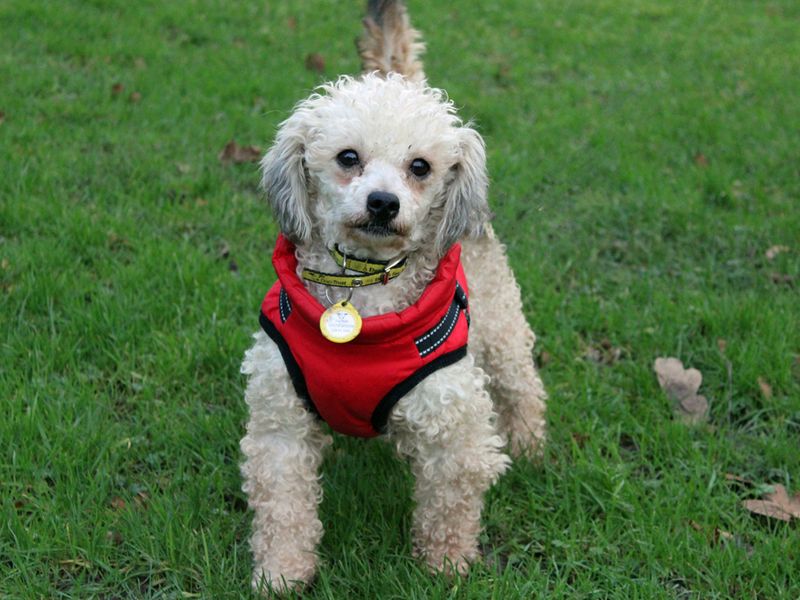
point(347, 158)
point(420, 167)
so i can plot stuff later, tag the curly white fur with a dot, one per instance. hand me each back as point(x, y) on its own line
point(449, 428)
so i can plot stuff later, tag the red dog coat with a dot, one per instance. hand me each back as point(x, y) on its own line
point(353, 386)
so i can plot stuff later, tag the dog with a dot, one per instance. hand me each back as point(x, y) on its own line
point(380, 192)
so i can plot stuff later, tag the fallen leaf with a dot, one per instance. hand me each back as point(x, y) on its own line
point(135, 97)
point(233, 152)
point(141, 499)
point(773, 251)
point(2, 117)
point(117, 89)
point(700, 160)
point(726, 537)
point(315, 62)
point(722, 345)
point(76, 562)
point(291, 23)
point(766, 389)
point(681, 385)
point(605, 354)
point(117, 503)
point(776, 505)
point(720, 534)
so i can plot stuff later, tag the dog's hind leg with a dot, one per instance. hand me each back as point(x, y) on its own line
point(445, 426)
point(502, 342)
point(283, 450)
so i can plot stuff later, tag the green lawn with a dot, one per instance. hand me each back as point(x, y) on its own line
point(644, 156)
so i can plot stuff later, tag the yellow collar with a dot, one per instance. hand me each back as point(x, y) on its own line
point(369, 272)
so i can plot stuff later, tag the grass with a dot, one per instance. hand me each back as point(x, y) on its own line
point(643, 158)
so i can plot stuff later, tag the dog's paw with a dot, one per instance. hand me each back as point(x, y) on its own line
point(272, 585)
point(454, 562)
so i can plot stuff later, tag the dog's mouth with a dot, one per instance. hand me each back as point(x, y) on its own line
point(378, 229)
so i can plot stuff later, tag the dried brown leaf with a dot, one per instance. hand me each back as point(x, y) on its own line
point(790, 504)
point(776, 505)
point(135, 97)
point(681, 386)
point(722, 345)
point(117, 89)
point(766, 389)
point(117, 503)
point(141, 499)
point(2, 117)
point(291, 23)
point(767, 509)
point(695, 525)
point(720, 534)
point(315, 62)
point(700, 160)
point(773, 251)
point(604, 353)
point(234, 153)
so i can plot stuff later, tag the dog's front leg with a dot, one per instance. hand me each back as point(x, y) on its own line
point(445, 426)
point(503, 343)
point(283, 450)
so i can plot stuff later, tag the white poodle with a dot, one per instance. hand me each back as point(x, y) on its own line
point(374, 182)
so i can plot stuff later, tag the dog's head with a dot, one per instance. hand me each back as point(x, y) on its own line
point(378, 165)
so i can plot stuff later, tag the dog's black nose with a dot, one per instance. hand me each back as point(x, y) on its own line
point(383, 206)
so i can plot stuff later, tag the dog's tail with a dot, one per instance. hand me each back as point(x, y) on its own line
point(389, 43)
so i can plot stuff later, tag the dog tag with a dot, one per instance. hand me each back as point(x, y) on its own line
point(340, 323)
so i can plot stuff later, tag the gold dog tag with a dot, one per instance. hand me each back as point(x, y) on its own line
point(340, 323)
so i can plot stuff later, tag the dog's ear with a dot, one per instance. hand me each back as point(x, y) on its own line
point(284, 178)
point(466, 210)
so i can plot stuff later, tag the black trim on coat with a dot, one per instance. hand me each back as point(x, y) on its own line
point(381, 413)
point(298, 380)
